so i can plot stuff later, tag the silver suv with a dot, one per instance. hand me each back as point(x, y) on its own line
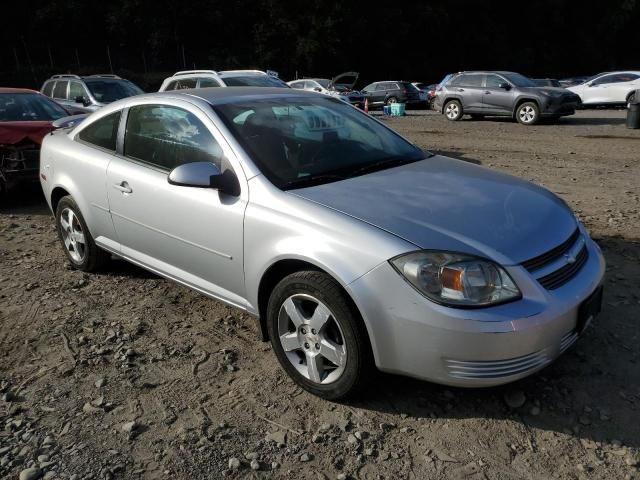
point(505, 94)
point(87, 94)
point(227, 78)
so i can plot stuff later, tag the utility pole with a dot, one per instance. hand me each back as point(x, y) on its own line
point(144, 62)
point(184, 60)
point(78, 58)
point(15, 54)
point(50, 56)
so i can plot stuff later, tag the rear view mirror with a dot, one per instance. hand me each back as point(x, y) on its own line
point(504, 86)
point(204, 175)
point(317, 89)
point(80, 99)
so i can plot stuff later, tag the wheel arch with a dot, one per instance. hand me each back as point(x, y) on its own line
point(56, 196)
point(522, 100)
point(448, 99)
point(284, 267)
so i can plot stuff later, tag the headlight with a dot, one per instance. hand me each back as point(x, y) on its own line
point(457, 279)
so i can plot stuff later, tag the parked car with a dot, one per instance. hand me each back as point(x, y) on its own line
point(338, 87)
point(353, 247)
point(608, 89)
point(386, 93)
point(481, 94)
point(88, 94)
point(547, 82)
point(571, 81)
point(26, 116)
point(423, 90)
point(227, 78)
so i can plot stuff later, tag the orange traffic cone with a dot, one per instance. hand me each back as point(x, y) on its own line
point(366, 105)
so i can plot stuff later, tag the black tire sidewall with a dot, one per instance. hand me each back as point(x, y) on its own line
point(93, 257)
point(389, 102)
point(322, 287)
point(535, 108)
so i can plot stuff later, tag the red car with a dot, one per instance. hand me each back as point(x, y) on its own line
point(26, 116)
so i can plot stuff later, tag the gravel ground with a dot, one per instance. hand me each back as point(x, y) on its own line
point(125, 375)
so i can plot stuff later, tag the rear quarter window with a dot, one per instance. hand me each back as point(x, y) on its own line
point(60, 90)
point(103, 132)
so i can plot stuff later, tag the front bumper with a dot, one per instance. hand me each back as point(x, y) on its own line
point(413, 336)
point(559, 106)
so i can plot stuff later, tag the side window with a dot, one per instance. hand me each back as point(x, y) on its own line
point(494, 81)
point(208, 82)
point(166, 137)
point(298, 85)
point(60, 90)
point(381, 87)
point(624, 77)
point(369, 88)
point(76, 90)
point(186, 83)
point(472, 80)
point(103, 132)
point(48, 89)
point(605, 79)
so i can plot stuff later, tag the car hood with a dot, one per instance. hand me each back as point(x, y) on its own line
point(446, 204)
point(557, 90)
point(348, 79)
point(12, 133)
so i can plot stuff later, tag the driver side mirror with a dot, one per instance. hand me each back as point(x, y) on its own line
point(317, 89)
point(205, 175)
point(504, 86)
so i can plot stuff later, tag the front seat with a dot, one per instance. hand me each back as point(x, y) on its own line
point(266, 142)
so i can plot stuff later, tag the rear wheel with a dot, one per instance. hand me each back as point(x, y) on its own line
point(528, 113)
point(631, 99)
point(453, 110)
point(78, 244)
point(391, 100)
point(317, 335)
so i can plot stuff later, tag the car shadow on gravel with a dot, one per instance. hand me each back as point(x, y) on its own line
point(458, 155)
point(590, 392)
point(593, 121)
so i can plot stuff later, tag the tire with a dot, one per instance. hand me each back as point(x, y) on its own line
point(77, 242)
point(338, 344)
point(528, 113)
point(453, 110)
point(390, 100)
point(631, 99)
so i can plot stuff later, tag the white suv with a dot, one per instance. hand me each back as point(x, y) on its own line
point(226, 78)
point(611, 88)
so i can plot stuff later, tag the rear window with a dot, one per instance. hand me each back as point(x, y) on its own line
point(60, 90)
point(48, 89)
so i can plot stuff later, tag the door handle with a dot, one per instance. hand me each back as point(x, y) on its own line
point(461, 89)
point(123, 187)
point(487, 92)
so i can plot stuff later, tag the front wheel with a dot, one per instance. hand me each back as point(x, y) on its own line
point(317, 335)
point(76, 240)
point(391, 100)
point(453, 110)
point(528, 113)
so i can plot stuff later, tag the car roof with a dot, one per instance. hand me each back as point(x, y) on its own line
point(499, 72)
point(229, 94)
point(17, 90)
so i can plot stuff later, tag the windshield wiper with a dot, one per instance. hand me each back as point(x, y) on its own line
point(310, 180)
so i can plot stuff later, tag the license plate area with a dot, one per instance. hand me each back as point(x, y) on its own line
point(589, 309)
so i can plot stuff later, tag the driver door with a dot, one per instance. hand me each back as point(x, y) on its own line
point(192, 235)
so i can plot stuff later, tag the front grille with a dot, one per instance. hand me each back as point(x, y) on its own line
point(552, 255)
point(566, 273)
point(497, 368)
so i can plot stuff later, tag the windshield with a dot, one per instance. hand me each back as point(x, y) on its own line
point(107, 91)
point(254, 81)
point(519, 80)
point(28, 107)
point(324, 83)
point(299, 142)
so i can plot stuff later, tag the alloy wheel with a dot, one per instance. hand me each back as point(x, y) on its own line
point(452, 111)
point(312, 338)
point(72, 235)
point(527, 114)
